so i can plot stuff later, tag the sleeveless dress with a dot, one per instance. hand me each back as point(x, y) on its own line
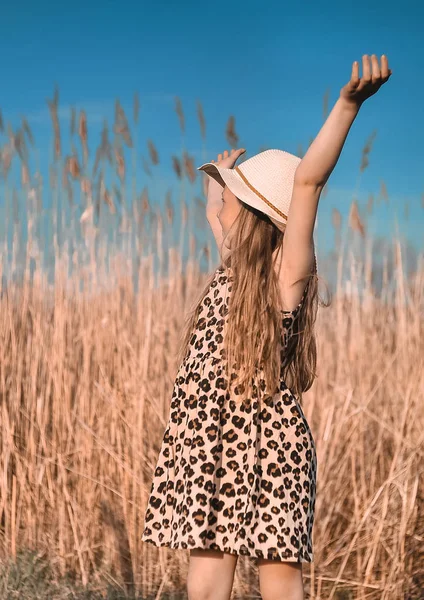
point(231, 478)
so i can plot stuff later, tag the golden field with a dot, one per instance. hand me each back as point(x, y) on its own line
point(87, 368)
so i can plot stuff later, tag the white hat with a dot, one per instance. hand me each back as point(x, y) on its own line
point(264, 181)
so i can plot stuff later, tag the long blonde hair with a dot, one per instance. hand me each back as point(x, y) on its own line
point(254, 356)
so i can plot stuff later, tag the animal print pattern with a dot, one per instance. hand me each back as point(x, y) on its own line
point(228, 477)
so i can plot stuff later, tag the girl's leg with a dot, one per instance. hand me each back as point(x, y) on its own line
point(210, 574)
point(280, 580)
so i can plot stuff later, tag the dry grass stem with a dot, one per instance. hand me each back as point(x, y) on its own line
point(146, 167)
point(336, 218)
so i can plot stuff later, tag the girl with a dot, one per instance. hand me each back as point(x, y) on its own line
point(236, 473)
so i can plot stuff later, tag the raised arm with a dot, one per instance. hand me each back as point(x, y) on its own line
point(214, 198)
point(318, 163)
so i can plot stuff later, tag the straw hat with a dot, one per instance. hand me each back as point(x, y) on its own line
point(264, 181)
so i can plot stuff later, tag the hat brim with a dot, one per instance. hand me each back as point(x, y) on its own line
point(239, 188)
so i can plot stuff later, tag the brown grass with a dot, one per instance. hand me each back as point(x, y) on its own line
point(86, 374)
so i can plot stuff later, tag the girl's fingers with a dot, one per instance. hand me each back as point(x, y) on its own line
point(354, 79)
point(385, 71)
point(366, 69)
point(233, 153)
point(375, 68)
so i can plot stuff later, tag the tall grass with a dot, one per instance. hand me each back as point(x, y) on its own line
point(87, 368)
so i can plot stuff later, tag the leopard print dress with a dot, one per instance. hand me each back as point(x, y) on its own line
point(230, 478)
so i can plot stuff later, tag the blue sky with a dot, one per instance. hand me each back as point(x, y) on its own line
point(268, 64)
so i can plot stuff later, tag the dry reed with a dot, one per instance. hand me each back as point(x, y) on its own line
point(86, 373)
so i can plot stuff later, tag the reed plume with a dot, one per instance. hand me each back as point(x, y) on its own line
point(107, 199)
point(72, 166)
point(105, 148)
point(53, 105)
point(230, 132)
point(6, 157)
point(52, 177)
point(83, 134)
point(201, 119)
point(180, 113)
point(73, 127)
point(85, 185)
point(120, 161)
point(169, 207)
point(136, 107)
point(366, 150)
point(121, 125)
point(27, 129)
point(20, 145)
point(355, 221)
point(144, 201)
point(176, 165)
point(153, 153)
point(189, 167)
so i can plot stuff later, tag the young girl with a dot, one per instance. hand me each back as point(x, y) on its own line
point(236, 473)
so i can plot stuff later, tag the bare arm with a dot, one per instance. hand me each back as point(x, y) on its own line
point(317, 166)
point(310, 178)
point(319, 161)
point(214, 199)
point(323, 154)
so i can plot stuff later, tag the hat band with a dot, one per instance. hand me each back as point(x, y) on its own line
point(259, 194)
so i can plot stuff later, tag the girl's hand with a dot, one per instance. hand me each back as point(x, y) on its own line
point(227, 161)
point(357, 90)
